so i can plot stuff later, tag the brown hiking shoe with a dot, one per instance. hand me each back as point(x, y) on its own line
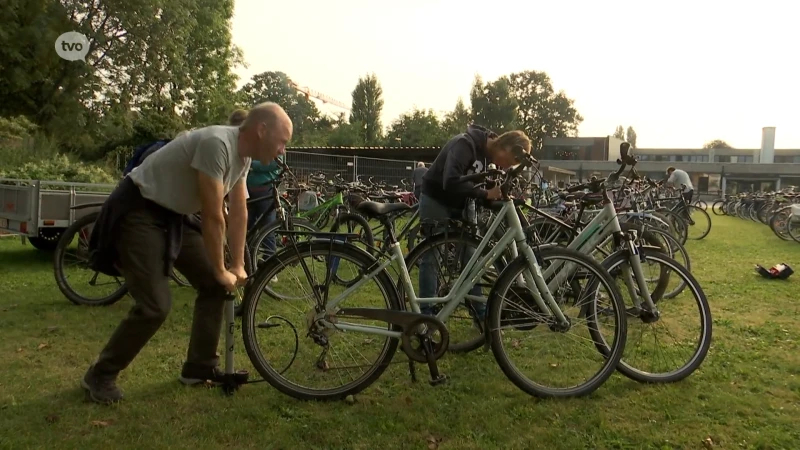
point(101, 388)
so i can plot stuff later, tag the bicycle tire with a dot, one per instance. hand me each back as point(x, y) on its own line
point(287, 258)
point(718, 208)
point(705, 311)
point(705, 218)
point(58, 267)
point(463, 239)
point(179, 279)
point(611, 356)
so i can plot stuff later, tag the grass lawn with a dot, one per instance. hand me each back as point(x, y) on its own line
point(746, 394)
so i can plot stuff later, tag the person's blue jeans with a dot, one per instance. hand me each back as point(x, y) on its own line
point(431, 210)
point(256, 209)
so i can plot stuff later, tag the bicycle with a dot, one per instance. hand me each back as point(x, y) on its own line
point(627, 262)
point(425, 338)
point(82, 229)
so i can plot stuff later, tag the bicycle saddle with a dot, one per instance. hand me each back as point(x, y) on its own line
point(375, 209)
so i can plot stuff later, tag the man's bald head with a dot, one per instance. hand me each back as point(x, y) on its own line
point(269, 113)
point(266, 131)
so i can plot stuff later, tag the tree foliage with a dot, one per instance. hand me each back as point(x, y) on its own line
point(716, 143)
point(630, 136)
point(367, 107)
point(542, 112)
point(457, 120)
point(278, 87)
point(418, 128)
point(493, 106)
point(619, 133)
point(172, 57)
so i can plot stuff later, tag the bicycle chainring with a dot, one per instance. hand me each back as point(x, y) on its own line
point(425, 328)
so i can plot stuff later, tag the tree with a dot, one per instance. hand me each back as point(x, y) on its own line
point(619, 133)
point(367, 107)
point(716, 143)
point(493, 105)
point(347, 135)
point(631, 137)
point(418, 128)
point(278, 87)
point(165, 56)
point(456, 121)
point(541, 111)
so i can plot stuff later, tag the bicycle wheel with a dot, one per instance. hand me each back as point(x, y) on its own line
point(677, 223)
point(718, 208)
point(178, 278)
point(678, 253)
point(108, 291)
point(793, 227)
point(256, 240)
point(580, 309)
point(648, 336)
point(306, 322)
point(700, 224)
point(466, 323)
point(700, 204)
point(779, 223)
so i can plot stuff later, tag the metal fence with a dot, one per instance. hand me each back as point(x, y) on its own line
point(351, 168)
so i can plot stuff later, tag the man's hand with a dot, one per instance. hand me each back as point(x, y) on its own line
point(240, 273)
point(227, 279)
point(494, 193)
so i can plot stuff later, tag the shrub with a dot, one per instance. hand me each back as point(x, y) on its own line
point(61, 168)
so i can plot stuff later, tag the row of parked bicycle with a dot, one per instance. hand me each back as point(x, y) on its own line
point(557, 284)
point(779, 210)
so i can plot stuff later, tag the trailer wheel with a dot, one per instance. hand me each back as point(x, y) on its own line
point(47, 240)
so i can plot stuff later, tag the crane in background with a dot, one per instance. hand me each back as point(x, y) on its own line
point(310, 93)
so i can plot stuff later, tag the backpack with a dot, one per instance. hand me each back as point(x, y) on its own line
point(141, 153)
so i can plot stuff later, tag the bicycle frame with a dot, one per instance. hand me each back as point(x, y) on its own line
point(475, 268)
point(604, 225)
point(333, 202)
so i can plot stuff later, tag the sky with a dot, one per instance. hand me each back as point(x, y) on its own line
point(681, 72)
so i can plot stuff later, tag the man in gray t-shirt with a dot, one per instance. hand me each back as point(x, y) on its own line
point(416, 178)
point(140, 233)
point(169, 176)
point(681, 180)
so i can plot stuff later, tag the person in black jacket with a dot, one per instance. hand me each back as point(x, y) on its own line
point(444, 197)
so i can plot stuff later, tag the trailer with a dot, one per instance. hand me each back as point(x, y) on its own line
point(40, 211)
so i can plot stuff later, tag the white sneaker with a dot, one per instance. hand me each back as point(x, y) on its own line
point(274, 279)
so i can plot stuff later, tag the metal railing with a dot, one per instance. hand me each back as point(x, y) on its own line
point(351, 168)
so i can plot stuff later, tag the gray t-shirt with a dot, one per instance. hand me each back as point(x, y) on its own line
point(679, 177)
point(417, 175)
point(168, 177)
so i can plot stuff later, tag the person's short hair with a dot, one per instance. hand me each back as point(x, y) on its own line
point(420, 164)
point(515, 138)
point(237, 117)
point(670, 169)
